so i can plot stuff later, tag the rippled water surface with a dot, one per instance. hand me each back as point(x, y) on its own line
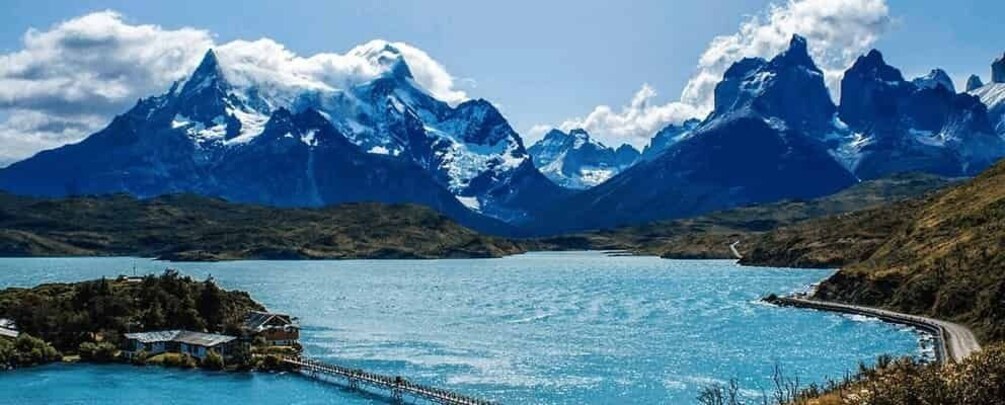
point(563, 328)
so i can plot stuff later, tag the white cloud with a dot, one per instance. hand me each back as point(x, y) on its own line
point(634, 124)
point(96, 64)
point(68, 81)
point(267, 63)
point(838, 31)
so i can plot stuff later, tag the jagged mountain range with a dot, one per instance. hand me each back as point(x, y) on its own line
point(574, 160)
point(774, 134)
point(386, 140)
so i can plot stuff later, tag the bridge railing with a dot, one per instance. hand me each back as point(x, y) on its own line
point(396, 384)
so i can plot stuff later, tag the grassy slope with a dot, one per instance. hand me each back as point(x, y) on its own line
point(187, 227)
point(943, 255)
point(709, 236)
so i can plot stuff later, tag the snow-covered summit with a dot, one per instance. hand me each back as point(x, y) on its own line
point(769, 88)
point(373, 102)
point(900, 126)
point(575, 160)
point(384, 55)
point(992, 95)
point(935, 78)
point(470, 148)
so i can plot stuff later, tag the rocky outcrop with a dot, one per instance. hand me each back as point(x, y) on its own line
point(922, 125)
point(762, 143)
point(998, 70)
point(974, 83)
point(667, 137)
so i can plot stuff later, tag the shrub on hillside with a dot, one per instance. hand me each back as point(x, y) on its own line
point(978, 380)
point(26, 350)
point(140, 358)
point(103, 352)
point(213, 361)
point(174, 360)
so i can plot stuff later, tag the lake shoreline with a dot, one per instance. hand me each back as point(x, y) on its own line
point(526, 328)
point(954, 342)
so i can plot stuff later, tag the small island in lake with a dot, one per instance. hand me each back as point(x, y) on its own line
point(169, 320)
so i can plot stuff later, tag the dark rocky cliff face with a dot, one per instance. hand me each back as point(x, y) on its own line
point(974, 83)
point(762, 143)
point(998, 70)
point(914, 126)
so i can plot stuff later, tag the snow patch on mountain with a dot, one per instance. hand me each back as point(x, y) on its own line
point(993, 96)
point(934, 79)
point(469, 148)
point(577, 161)
point(667, 137)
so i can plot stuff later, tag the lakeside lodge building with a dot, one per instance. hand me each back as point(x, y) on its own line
point(7, 329)
point(195, 344)
point(277, 329)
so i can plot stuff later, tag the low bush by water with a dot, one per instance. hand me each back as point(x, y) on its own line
point(25, 351)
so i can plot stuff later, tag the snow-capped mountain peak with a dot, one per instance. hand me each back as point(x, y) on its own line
point(788, 89)
point(212, 111)
point(922, 125)
point(934, 79)
point(992, 95)
point(797, 54)
point(207, 74)
point(575, 160)
point(384, 55)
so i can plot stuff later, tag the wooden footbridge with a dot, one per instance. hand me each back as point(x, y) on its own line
point(398, 387)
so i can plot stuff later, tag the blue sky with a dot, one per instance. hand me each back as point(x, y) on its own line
point(542, 62)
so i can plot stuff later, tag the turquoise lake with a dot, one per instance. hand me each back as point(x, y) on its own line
point(540, 328)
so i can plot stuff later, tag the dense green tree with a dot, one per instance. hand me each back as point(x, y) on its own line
point(213, 361)
point(102, 352)
point(211, 304)
point(26, 350)
point(68, 315)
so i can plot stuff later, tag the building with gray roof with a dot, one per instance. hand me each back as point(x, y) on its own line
point(195, 344)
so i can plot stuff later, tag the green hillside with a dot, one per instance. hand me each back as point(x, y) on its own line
point(943, 255)
point(188, 227)
point(709, 236)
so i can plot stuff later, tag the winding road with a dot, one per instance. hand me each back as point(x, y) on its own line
point(735, 252)
point(955, 341)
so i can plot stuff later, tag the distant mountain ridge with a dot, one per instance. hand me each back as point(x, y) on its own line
point(575, 160)
point(755, 147)
point(776, 134)
point(898, 126)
